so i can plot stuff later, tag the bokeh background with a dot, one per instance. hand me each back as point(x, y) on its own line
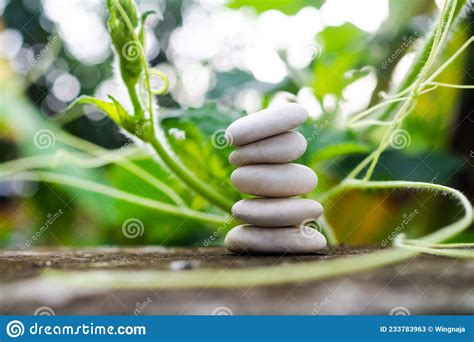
point(224, 59)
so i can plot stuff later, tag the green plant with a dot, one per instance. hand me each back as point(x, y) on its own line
point(144, 126)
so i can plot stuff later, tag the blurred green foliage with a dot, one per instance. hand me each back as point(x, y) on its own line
point(347, 54)
point(285, 6)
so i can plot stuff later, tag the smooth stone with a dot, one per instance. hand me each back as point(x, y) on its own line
point(251, 239)
point(265, 123)
point(278, 149)
point(274, 180)
point(276, 212)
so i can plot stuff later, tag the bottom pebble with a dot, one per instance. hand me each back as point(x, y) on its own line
point(258, 240)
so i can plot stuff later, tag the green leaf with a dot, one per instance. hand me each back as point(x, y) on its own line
point(106, 107)
point(341, 48)
point(286, 6)
point(141, 128)
point(197, 148)
point(114, 110)
point(122, 117)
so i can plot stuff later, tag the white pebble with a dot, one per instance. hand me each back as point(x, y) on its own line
point(292, 240)
point(278, 149)
point(276, 212)
point(274, 180)
point(265, 123)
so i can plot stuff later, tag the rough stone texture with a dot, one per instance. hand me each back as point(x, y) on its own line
point(265, 123)
point(279, 149)
point(274, 180)
point(277, 212)
point(423, 285)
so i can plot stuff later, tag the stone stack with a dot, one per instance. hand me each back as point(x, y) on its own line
point(275, 220)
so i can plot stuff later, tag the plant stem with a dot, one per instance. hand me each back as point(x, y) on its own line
point(454, 253)
point(307, 270)
point(329, 232)
point(358, 169)
point(438, 236)
point(189, 178)
point(420, 61)
point(438, 245)
point(449, 85)
point(281, 274)
point(131, 87)
point(374, 108)
point(173, 163)
point(369, 122)
point(231, 278)
point(165, 208)
point(61, 158)
point(143, 61)
point(386, 138)
point(89, 147)
point(450, 60)
point(137, 108)
point(442, 29)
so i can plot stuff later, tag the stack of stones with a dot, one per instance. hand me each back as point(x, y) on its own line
point(275, 220)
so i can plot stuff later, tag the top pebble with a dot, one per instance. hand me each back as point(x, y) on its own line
point(265, 123)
